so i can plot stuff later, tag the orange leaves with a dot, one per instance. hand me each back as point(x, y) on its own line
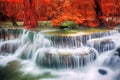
point(94, 23)
point(55, 23)
point(83, 12)
point(66, 12)
point(46, 1)
point(10, 8)
point(30, 19)
point(109, 7)
point(13, 1)
point(111, 11)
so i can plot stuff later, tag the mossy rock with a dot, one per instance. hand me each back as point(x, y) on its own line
point(68, 25)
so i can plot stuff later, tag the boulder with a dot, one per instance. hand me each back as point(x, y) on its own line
point(66, 58)
point(102, 72)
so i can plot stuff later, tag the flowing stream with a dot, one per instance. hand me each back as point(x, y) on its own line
point(54, 57)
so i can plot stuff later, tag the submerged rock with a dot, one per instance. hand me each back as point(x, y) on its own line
point(102, 72)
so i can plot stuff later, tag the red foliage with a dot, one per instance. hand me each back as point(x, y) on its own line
point(79, 11)
point(11, 9)
point(82, 12)
point(30, 18)
point(110, 12)
point(15, 1)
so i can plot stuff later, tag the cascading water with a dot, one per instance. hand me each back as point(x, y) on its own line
point(75, 41)
point(43, 51)
point(89, 54)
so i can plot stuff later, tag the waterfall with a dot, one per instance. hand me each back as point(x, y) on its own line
point(75, 41)
point(105, 43)
point(65, 58)
point(54, 51)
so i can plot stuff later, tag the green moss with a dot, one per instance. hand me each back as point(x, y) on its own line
point(47, 25)
point(68, 24)
point(62, 32)
point(92, 30)
point(67, 32)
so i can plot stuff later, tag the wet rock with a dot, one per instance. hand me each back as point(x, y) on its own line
point(104, 34)
point(101, 44)
point(102, 72)
point(118, 51)
point(61, 39)
point(5, 54)
point(66, 58)
point(66, 41)
point(9, 34)
point(9, 46)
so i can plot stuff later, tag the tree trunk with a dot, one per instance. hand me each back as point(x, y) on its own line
point(98, 11)
point(14, 23)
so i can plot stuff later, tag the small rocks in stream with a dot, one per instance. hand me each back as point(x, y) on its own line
point(102, 72)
